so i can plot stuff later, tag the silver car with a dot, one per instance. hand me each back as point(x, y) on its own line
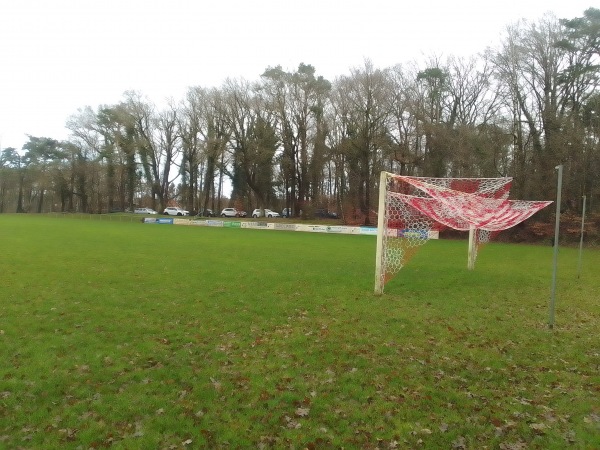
point(271, 213)
point(144, 211)
point(175, 211)
point(230, 212)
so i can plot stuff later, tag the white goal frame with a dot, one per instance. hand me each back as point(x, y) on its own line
point(411, 207)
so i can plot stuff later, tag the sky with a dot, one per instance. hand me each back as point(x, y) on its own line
point(57, 56)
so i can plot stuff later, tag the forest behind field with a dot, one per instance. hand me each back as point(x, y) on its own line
point(294, 139)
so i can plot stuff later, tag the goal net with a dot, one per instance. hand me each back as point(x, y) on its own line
point(413, 209)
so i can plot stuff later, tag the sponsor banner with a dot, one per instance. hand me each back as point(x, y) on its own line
point(228, 224)
point(312, 228)
point(368, 230)
point(334, 229)
point(350, 230)
point(343, 229)
point(259, 225)
point(301, 227)
point(160, 220)
point(413, 234)
point(285, 226)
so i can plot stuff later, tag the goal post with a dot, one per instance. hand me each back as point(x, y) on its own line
point(401, 228)
point(379, 281)
point(472, 251)
point(412, 209)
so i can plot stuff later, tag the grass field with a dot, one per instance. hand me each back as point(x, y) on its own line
point(133, 336)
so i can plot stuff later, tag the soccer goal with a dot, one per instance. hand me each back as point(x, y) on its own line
point(414, 209)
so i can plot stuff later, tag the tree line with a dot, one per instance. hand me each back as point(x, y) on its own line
point(294, 139)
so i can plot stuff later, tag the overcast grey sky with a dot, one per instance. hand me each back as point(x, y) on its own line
point(60, 55)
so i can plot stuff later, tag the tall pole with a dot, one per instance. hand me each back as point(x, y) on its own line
point(555, 258)
point(581, 239)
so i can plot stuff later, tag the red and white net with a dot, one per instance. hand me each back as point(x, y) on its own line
point(416, 208)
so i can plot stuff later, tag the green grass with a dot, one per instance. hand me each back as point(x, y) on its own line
point(124, 335)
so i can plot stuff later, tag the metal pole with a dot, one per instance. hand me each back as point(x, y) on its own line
point(581, 238)
point(555, 259)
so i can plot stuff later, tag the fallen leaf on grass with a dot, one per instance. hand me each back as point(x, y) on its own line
point(68, 434)
point(291, 423)
point(302, 412)
point(459, 443)
point(513, 446)
point(592, 418)
point(537, 427)
point(215, 384)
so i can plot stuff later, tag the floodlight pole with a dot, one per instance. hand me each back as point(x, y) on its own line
point(381, 213)
point(581, 238)
point(555, 258)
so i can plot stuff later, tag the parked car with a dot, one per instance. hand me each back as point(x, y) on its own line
point(175, 211)
point(265, 213)
point(325, 214)
point(144, 211)
point(232, 212)
point(206, 213)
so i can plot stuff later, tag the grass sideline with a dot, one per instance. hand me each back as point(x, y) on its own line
point(132, 336)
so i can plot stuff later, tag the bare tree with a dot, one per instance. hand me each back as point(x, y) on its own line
point(253, 144)
point(204, 137)
point(548, 83)
point(88, 171)
point(298, 101)
point(366, 117)
point(158, 145)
